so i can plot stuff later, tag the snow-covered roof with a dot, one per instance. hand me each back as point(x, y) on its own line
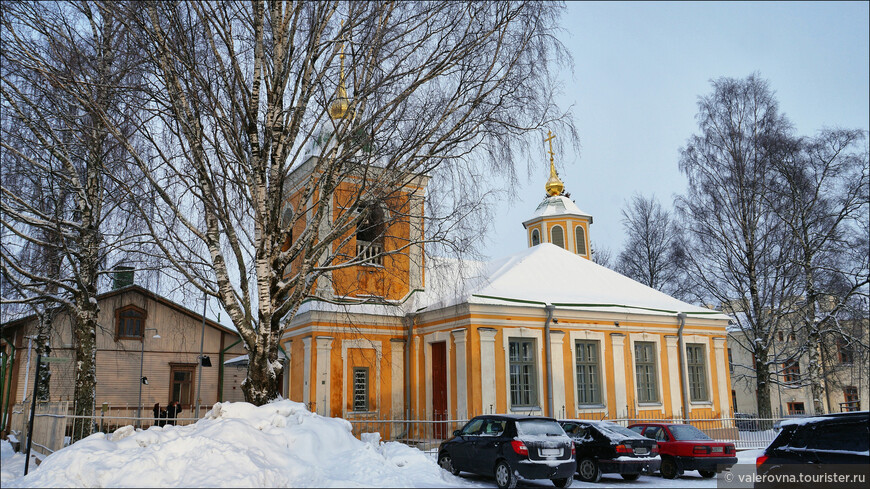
point(542, 274)
point(557, 205)
point(548, 274)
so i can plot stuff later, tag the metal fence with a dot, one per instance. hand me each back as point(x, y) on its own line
point(54, 424)
point(426, 434)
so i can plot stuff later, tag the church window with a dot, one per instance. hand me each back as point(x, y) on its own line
point(588, 373)
point(523, 372)
point(558, 236)
point(695, 359)
point(360, 389)
point(580, 239)
point(645, 362)
point(536, 237)
point(370, 233)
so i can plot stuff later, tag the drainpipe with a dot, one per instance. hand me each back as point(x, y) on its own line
point(548, 355)
point(682, 320)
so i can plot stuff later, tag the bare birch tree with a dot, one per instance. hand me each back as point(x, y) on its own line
point(739, 254)
point(64, 65)
point(257, 105)
point(823, 184)
point(653, 254)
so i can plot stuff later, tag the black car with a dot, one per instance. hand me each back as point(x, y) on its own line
point(811, 446)
point(605, 447)
point(509, 446)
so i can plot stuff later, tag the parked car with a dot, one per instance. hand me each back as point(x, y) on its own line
point(684, 447)
point(809, 444)
point(605, 447)
point(507, 446)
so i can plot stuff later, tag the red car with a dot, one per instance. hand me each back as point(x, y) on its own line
point(684, 447)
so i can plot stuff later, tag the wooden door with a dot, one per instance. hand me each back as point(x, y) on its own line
point(439, 388)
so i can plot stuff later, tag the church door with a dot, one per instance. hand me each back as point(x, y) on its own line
point(439, 388)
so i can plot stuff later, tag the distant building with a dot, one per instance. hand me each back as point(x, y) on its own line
point(845, 368)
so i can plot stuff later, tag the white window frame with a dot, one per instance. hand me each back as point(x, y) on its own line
point(523, 333)
point(579, 227)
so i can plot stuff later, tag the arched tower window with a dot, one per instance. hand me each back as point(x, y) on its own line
point(370, 233)
point(558, 236)
point(536, 237)
point(580, 236)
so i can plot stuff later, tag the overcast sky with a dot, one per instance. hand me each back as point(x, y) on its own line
point(639, 70)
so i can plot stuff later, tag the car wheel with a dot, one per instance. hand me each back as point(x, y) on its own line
point(588, 470)
point(504, 476)
point(707, 474)
point(446, 463)
point(563, 483)
point(630, 477)
point(668, 468)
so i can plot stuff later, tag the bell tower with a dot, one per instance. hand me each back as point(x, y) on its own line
point(557, 219)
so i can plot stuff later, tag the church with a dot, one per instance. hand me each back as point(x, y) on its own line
point(543, 331)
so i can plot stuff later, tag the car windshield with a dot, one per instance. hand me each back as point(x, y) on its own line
point(539, 427)
point(688, 432)
point(609, 428)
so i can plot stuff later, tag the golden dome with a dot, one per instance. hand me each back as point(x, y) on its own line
point(554, 185)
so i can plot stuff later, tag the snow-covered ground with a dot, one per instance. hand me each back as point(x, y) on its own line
point(237, 445)
point(240, 445)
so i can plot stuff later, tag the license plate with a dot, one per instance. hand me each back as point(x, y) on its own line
point(641, 451)
point(717, 449)
point(551, 452)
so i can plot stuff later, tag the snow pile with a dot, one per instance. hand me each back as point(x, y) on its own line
point(280, 444)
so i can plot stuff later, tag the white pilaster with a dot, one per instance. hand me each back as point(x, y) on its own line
point(461, 374)
point(674, 374)
point(722, 376)
point(487, 369)
point(306, 371)
point(617, 340)
point(558, 366)
point(397, 382)
point(324, 348)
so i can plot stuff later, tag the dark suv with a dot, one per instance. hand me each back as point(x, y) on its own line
point(810, 446)
point(509, 446)
point(605, 447)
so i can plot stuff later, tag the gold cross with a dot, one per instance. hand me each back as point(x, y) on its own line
point(549, 139)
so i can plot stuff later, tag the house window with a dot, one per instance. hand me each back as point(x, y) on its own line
point(845, 351)
point(796, 408)
point(558, 236)
point(360, 389)
point(129, 322)
point(588, 373)
point(181, 383)
point(580, 239)
point(536, 237)
point(645, 361)
point(851, 395)
point(523, 373)
point(779, 335)
point(370, 234)
point(791, 372)
point(695, 359)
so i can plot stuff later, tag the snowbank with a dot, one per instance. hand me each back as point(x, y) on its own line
point(280, 444)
